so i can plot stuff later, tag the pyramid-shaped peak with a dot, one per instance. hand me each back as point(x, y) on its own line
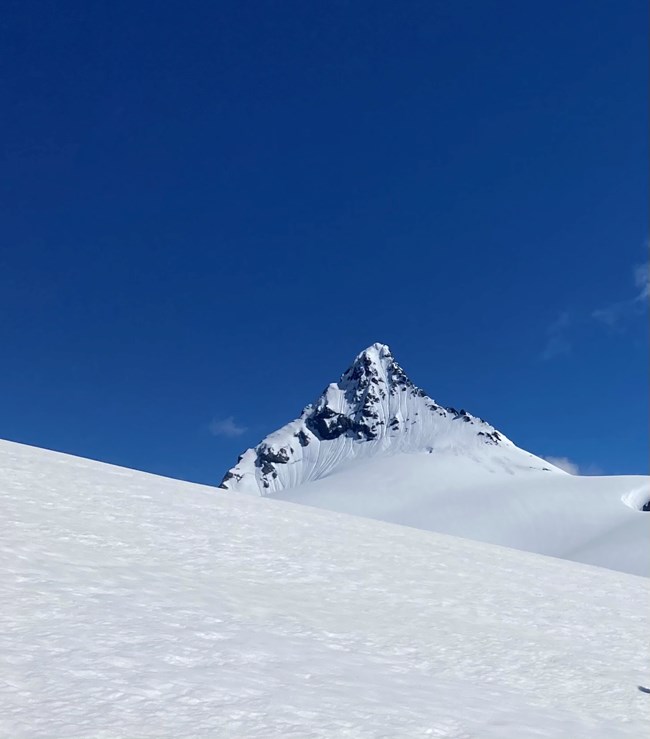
point(375, 363)
point(373, 409)
point(376, 355)
point(377, 350)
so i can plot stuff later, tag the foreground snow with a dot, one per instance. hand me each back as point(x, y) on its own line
point(137, 606)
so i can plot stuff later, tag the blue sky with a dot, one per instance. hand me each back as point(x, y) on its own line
point(209, 208)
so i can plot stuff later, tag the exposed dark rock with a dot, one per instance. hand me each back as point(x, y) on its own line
point(268, 454)
point(490, 438)
point(267, 458)
point(229, 476)
point(328, 424)
point(302, 437)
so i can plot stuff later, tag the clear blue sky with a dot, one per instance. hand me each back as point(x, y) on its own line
point(208, 208)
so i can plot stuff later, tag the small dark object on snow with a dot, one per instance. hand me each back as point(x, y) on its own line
point(643, 689)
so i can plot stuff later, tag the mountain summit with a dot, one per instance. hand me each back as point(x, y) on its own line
point(373, 444)
point(374, 409)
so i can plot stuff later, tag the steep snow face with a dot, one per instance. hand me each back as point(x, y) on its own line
point(374, 409)
point(139, 606)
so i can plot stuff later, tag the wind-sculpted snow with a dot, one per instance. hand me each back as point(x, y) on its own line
point(374, 410)
point(138, 606)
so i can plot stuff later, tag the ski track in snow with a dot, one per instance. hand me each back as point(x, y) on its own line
point(137, 606)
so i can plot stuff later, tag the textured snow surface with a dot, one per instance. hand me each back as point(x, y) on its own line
point(137, 606)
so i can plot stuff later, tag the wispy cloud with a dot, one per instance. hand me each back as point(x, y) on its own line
point(557, 337)
point(226, 427)
point(613, 314)
point(561, 332)
point(642, 281)
point(564, 463)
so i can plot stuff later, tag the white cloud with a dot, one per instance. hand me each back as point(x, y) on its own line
point(564, 463)
point(562, 332)
point(557, 340)
point(642, 280)
point(226, 427)
point(613, 314)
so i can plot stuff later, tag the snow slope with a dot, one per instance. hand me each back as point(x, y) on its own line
point(375, 445)
point(584, 519)
point(138, 606)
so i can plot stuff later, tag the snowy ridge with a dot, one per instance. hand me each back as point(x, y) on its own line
point(373, 410)
point(139, 606)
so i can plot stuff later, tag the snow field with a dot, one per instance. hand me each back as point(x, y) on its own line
point(139, 606)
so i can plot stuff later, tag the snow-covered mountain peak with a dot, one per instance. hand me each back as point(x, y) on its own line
point(376, 360)
point(375, 366)
point(366, 397)
point(373, 409)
